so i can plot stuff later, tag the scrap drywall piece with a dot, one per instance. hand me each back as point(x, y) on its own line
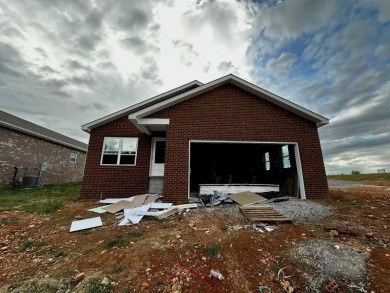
point(151, 198)
point(245, 198)
point(86, 224)
point(120, 205)
point(151, 214)
point(168, 213)
point(99, 210)
point(115, 200)
point(132, 216)
point(161, 205)
point(139, 200)
point(124, 222)
point(186, 206)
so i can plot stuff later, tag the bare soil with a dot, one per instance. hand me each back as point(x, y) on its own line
point(177, 254)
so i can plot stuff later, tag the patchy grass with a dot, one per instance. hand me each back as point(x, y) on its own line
point(95, 286)
point(29, 243)
point(211, 251)
point(42, 200)
point(136, 234)
point(117, 241)
point(361, 177)
point(7, 221)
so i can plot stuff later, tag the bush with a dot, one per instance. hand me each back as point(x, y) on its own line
point(356, 172)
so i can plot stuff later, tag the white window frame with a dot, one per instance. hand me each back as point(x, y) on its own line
point(287, 156)
point(119, 152)
point(73, 156)
point(267, 162)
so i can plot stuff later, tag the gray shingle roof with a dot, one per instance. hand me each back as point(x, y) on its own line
point(13, 122)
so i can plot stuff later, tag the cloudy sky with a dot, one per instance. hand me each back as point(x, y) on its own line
point(66, 63)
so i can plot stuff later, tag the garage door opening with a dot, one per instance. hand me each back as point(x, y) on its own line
point(246, 163)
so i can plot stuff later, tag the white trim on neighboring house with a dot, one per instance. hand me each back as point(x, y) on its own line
point(301, 185)
point(88, 126)
point(270, 97)
point(26, 131)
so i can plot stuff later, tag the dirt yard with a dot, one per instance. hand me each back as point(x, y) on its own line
point(38, 254)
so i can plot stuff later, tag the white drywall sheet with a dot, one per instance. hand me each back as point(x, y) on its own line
point(131, 214)
point(85, 224)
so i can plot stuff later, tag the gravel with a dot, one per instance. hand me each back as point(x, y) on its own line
point(302, 210)
point(343, 184)
point(330, 260)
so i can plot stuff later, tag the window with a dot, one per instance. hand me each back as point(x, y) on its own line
point(73, 157)
point(119, 151)
point(286, 157)
point(267, 164)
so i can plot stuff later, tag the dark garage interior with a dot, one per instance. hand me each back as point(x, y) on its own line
point(243, 163)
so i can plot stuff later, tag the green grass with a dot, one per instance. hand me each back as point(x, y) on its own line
point(7, 221)
point(42, 200)
point(136, 234)
point(95, 286)
point(361, 177)
point(211, 251)
point(29, 243)
point(117, 241)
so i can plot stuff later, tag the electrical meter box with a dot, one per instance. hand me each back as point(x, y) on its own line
point(43, 167)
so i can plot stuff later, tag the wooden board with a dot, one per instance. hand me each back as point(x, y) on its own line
point(247, 197)
point(256, 214)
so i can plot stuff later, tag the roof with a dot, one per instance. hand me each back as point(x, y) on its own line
point(15, 123)
point(137, 112)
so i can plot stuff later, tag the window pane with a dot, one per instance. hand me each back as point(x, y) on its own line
point(285, 150)
point(110, 159)
point(111, 145)
point(127, 160)
point(159, 157)
point(286, 162)
point(267, 164)
point(129, 146)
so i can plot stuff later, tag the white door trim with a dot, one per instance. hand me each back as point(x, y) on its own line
point(301, 183)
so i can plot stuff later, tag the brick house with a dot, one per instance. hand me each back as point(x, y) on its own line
point(227, 131)
point(27, 148)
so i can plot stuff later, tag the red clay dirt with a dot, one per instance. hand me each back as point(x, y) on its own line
point(177, 254)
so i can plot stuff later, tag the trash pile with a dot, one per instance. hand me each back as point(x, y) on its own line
point(130, 211)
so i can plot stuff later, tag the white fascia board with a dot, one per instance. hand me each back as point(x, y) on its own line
point(32, 133)
point(292, 107)
point(153, 121)
point(88, 126)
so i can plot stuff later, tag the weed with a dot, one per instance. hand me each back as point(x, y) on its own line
point(95, 286)
point(12, 220)
point(52, 251)
point(119, 270)
point(136, 234)
point(277, 268)
point(211, 251)
point(117, 241)
point(29, 243)
point(225, 228)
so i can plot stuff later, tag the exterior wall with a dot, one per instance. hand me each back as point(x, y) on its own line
point(24, 151)
point(116, 181)
point(231, 114)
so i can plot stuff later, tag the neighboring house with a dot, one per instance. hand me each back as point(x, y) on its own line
point(30, 148)
point(226, 131)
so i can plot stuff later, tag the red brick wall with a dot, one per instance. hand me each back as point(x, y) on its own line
point(24, 151)
point(116, 181)
point(231, 114)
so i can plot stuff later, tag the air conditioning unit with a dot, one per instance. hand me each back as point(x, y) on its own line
point(29, 181)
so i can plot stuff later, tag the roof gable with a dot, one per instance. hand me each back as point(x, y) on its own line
point(138, 112)
point(15, 123)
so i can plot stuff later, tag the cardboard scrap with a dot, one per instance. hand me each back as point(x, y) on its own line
point(247, 197)
point(85, 224)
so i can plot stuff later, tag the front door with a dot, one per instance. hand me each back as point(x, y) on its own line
point(157, 159)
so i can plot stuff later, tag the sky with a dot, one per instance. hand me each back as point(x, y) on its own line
point(66, 63)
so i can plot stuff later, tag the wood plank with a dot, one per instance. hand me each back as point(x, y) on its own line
point(246, 198)
point(263, 214)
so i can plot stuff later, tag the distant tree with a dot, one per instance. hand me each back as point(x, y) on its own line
point(356, 172)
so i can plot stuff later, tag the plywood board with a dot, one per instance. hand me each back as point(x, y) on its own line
point(256, 214)
point(151, 198)
point(115, 200)
point(139, 200)
point(85, 224)
point(120, 205)
point(247, 197)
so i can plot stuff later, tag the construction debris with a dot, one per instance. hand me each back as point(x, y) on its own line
point(85, 224)
point(216, 274)
point(341, 231)
point(246, 198)
point(258, 214)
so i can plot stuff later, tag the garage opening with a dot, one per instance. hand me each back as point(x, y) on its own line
point(246, 163)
